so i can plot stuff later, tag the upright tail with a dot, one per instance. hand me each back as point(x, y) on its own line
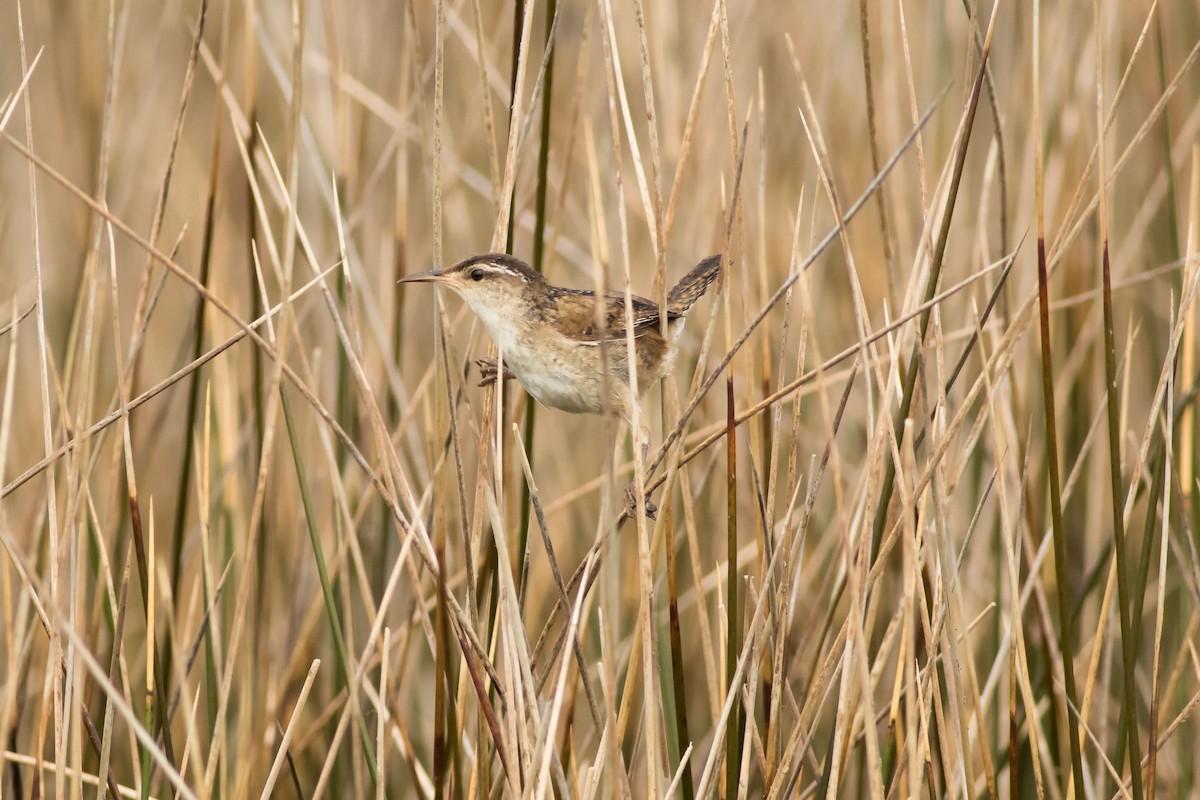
point(693, 285)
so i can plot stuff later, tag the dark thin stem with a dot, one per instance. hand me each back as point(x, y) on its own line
point(935, 271)
point(539, 255)
point(678, 685)
point(335, 624)
point(1129, 699)
point(1066, 637)
point(733, 644)
point(1139, 597)
point(193, 402)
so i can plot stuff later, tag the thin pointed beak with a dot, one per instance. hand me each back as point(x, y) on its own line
point(423, 277)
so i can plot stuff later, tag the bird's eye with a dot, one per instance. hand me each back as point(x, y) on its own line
point(476, 274)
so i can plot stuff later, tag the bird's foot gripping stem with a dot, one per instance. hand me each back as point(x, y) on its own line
point(631, 503)
point(487, 371)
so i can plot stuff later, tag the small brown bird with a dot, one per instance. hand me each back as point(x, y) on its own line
point(551, 342)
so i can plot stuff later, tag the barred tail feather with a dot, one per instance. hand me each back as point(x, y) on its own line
point(693, 285)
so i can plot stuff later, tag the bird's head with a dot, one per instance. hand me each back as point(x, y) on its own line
point(498, 287)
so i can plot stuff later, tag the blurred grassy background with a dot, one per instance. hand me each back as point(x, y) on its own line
point(169, 577)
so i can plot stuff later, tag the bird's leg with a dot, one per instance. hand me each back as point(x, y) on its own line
point(642, 438)
point(487, 371)
point(631, 503)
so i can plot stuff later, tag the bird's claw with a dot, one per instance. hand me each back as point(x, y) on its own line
point(487, 371)
point(631, 503)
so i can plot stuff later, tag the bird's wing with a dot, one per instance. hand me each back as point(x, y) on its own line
point(576, 311)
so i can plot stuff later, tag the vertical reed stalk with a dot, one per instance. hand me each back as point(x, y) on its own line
point(1116, 484)
point(1066, 642)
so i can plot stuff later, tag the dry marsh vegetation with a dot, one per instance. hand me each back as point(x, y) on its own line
point(927, 481)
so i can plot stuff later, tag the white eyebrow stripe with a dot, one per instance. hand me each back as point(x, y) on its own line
point(500, 269)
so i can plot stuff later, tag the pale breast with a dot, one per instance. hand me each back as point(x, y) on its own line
point(557, 378)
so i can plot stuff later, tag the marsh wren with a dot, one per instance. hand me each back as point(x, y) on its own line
point(551, 337)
